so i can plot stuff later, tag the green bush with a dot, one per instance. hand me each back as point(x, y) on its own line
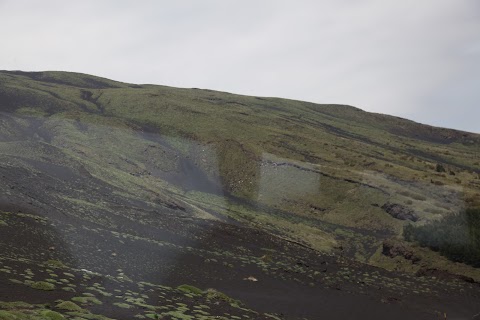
point(456, 236)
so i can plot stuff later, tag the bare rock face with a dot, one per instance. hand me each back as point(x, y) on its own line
point(400, 212)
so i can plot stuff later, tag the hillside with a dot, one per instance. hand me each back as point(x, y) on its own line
point(116, 194)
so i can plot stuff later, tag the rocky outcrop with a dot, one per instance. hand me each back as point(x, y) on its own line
point(400, 212)
point(394, 249)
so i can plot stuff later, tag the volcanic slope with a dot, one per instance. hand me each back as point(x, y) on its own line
point(121, 200)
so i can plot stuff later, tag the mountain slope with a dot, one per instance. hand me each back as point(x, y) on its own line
point(175, 186)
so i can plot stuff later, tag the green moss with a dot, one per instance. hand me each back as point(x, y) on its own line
point(213, 294)
point(86, 300)
point(190, 289)
point(55, 264)
point(6, 315)
point(87, 315)
point(68, 305)
point(101, 292)
point(178, 315)
point(15, 305)
point(272, 316)
point(52, 315)
point(122, 305)
point(42, 285)
point(16, 281)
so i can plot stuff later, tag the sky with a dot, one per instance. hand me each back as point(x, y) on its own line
point(414, 59)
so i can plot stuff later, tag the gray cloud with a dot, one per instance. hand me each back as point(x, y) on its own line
point(416, 59)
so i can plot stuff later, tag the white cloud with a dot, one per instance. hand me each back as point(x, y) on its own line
point(396, 57)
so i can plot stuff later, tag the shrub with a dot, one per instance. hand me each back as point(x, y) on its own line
point(456, 236)
point(439, 168)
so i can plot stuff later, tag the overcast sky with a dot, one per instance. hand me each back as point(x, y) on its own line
point(414, 59)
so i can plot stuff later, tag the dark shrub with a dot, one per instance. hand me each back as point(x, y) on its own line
point(456, 236)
